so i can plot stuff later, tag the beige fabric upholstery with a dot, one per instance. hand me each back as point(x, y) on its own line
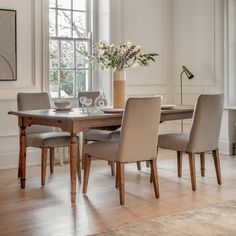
point(106, 150)
point(102, 135)
point(205, 131)
point(37, 135)
point(34, 101)
point(139, 133)
point(204, 134)
point(49, 139)
point(171, 141)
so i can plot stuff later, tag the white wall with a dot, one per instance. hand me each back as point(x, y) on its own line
point(200, 45)
point(103, 34)
point(183, 32)
point(29, 76)
point(228, 137)
point(145, 23)
point(150, 25)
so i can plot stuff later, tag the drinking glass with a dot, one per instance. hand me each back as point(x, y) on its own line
point(82, 101)
point(88, 102)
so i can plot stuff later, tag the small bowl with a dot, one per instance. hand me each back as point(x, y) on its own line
point(62, 104)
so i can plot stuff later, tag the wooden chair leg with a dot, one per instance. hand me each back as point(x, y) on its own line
point(179, 163)
point(217, 165)
point(117, 175)
point(147, 164)
point(155, 178)
point(87, 164)
point(112, 167)
point(83, 154)
point(78, 167)
point(121, 182)
point(52, 158)
point(192, 170)
point(22, 157)
point(19, 167)
point(139, 165)
point(44, 152)
point(150, 175)
point(202, 161)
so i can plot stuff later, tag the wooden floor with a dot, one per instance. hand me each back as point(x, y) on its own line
point(35, 211)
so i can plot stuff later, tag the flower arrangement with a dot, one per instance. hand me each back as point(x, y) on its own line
point(119, 56)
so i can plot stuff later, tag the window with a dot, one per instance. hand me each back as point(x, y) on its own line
point(69, 34)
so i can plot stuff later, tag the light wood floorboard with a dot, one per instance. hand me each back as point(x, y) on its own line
point(36, 211)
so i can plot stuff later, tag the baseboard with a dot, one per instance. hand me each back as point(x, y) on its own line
point(9, 160)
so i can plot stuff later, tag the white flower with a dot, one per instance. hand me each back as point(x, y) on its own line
point(120, 56)
point(135, 65)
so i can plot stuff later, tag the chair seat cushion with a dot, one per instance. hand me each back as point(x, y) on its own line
point(101, 135)
point(177, 142)
point(49, 139)
point(106, 150)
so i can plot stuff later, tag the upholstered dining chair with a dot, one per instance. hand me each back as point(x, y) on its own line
point(42, 137)
point(203, 137)
point(97, 134)
point(138, 142)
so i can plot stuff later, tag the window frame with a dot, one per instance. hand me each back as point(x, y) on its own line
point(88, 40)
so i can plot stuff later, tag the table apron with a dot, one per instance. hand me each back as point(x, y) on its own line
point(176, 116)
point(70, 125)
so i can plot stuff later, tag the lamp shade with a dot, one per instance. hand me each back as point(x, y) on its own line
point(188, 73)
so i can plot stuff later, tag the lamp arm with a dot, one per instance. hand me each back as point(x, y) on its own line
point(181, 87)
point(12, 73)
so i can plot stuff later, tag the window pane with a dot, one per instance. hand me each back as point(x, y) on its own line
point(67, 54)
point(52, 22)
point(64, 23)
point(81, 61)
point(53, 54)
point(79, 25)
point(52, 3)
point(53, 79)
point(67, 83)
point(69, 70)
point(65, 4)
point(81, 80)
point(79, 5)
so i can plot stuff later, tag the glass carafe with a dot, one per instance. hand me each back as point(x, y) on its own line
point(101, 101)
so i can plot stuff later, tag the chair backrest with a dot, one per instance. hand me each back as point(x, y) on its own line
point(205, 131)
point(34, 101)
point(88, 94)
point(139, 130)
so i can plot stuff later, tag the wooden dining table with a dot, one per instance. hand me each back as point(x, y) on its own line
point(73, 122)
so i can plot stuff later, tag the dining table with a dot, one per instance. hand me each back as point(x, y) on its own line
point(75, 121)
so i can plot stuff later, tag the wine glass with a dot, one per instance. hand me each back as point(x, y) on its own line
point(88, 102)
point(82, 101)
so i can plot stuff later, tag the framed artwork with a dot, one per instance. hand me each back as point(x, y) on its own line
point(8, 65)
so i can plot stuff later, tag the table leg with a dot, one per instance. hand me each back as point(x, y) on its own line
point(73, 165)
point(22, 156)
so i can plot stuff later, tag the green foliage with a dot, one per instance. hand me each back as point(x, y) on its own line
point(66, 75)
point(120, 56)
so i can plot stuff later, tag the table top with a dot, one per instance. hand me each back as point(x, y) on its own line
point(76, 113)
